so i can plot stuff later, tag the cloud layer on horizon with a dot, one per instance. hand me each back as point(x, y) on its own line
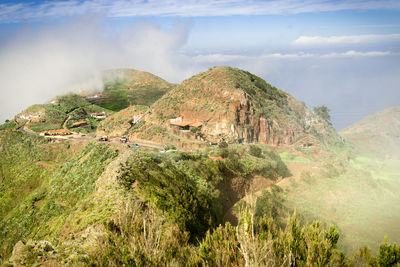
point(363, 39)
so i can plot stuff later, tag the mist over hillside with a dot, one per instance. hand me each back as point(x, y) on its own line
point(174, 175)
point(378, 135)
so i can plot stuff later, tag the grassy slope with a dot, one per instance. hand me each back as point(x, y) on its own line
point(41, 185)
point(125, 87)
point(53, 116)
point(176, 196)
point(47, 188)
point(358, 190)
point(120, 122)
point(377, 135)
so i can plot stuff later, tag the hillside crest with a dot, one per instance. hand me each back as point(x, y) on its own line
point(235, 106)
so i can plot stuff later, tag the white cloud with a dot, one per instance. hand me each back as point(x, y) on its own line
point(185, 8)
point(227, 58)
point(346, 40)
point(353, 53)
point(37, 65)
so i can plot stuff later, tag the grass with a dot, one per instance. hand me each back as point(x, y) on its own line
point(289, 157)
point(69, 106)
point(8, 125)
point(129, 88)
point(121, 121)
point(35, 202)
point(359, 197)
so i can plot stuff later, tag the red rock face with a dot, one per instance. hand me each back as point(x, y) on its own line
point(245, 125)
point(229, 113)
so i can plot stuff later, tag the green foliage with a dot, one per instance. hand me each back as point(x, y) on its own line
point(19, 171)
point(140, 237)
point(35, 202)
point(240, 161)
point(271, 204)
point(172, 190)
point(363, 257)
point(323, 112)
point(68, 103)
point(264, 95)
point(255, 151)
point(389, 254)
point(169, 147)
point(118, 94)
point(75, 179)
point(8, 125)
point(221, 247)
point(170, 198)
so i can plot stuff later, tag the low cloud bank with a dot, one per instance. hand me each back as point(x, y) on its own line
point(37, 64)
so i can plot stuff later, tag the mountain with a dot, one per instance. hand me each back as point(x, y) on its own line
point(126, 87)
point(236, 106)
point(81, 201)
point(377, 135)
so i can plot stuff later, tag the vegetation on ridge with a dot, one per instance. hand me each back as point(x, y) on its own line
point(88, 204)
point(68, 108)
point(127, 87)
point(41, 183)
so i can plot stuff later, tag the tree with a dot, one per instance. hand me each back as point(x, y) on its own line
point(323, 112)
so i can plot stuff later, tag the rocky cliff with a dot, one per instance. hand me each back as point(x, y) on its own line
point(237, 106)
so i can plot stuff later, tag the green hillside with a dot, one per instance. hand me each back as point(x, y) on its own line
point(358, 190)
point(127, 87)
point(66, 109)
point(279, 187)
point(378, 135)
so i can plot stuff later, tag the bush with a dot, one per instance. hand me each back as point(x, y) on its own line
point(171, 190)
point(8, 125)
point(271, 204)
point(220, 248)
point(169, 147)
point(223, 144)
point(139, 236)
point(323, 112)
point(389, 254)
point(255, 151)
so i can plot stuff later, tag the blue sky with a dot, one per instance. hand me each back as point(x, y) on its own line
point(344, 54)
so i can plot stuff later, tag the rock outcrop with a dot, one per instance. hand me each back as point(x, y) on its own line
point(237, 106)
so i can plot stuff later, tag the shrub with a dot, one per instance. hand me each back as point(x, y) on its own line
point(139, 236)
point(323, 112)
point(223, 144)
point(389, 254)
point(169, 147)
point(255, 151)
point(271, 204)
point(171, 190)
point(220, 248)
point(8, 125)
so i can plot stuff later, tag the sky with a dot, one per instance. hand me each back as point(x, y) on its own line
point(342, 54)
